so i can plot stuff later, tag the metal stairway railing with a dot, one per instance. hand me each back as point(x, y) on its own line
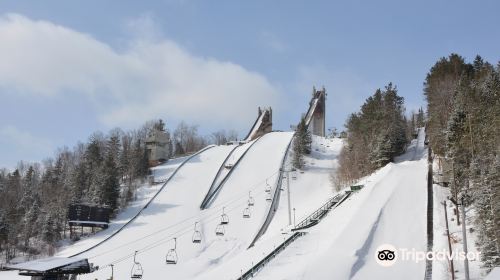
point(256, 268)
point(309, 221)
point(321, 212)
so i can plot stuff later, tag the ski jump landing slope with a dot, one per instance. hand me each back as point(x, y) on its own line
point(175, 209)
point(390, 209)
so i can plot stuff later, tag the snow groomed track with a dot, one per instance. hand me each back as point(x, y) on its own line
point(233, 160)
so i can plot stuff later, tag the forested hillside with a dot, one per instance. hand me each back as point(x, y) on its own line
point(375, 135)
point(104, 171)
point(463, 102)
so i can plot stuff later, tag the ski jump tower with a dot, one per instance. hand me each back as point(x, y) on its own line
point(315, 117)
point(262, 125)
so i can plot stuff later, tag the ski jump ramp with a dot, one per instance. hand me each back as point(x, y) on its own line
point(262, 125)
point(315, 116)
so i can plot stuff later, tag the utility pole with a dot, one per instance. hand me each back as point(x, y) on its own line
point(464, 236)
point(449, 241)
point(288, 194)
point(294, 224)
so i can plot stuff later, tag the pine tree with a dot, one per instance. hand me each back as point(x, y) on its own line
point(420, 118)
point(487, 201)
point(298, 156)
point(111, 188)
point(301, 144)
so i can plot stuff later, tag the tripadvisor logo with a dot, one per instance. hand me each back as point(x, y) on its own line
point(386, 255)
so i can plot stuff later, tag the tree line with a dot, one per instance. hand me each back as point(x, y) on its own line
point(463, 107)
point(375, 135)
point(104, 171)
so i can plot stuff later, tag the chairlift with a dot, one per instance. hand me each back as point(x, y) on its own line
point(137, 271)
point(246, 213)
point(171, 257)
point(224, 219)
point(112, 272)
point(251, 201)
point(220, 230)
point(269, 197)
point(268, 187)
point(196, 234)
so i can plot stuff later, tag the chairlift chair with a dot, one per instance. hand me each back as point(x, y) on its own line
point(112, 272)
point(269, 197)
point(196, 234)
point(220, 230)
point(171, 257)
point(246, 213)
point(137, 271)
point(224, 219)
point(268, 187)
point(251, 201)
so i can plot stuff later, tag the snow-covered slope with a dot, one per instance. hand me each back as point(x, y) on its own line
point(389, 210)
point(311, 189)
point(175, 210)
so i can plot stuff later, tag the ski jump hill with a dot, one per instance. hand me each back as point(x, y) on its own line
point(223, 209)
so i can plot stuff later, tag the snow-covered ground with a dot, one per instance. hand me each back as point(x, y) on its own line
point(175, 210)
point(143, 195)
point(231, 162)
point(441, 269)
point(390, 209)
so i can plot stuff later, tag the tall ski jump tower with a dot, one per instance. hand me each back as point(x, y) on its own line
point(316, 114)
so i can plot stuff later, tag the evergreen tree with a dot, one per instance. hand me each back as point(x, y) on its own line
point(298, 156)
point(111, 187)
point(375, 135)
point(420, 118)
point(301, 144)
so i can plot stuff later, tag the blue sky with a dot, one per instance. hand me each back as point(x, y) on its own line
point(69, 68)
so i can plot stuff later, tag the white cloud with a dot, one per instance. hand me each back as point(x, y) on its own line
point(149, 79)
point(145, 27)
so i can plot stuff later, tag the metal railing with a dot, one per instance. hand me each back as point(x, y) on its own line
point(256, 268)
point(321, 212)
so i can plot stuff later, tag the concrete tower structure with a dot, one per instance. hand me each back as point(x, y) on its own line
point(157, 147)
point(262, 125)
point(316, 118)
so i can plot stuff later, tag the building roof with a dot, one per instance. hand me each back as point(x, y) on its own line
point(50, 264)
